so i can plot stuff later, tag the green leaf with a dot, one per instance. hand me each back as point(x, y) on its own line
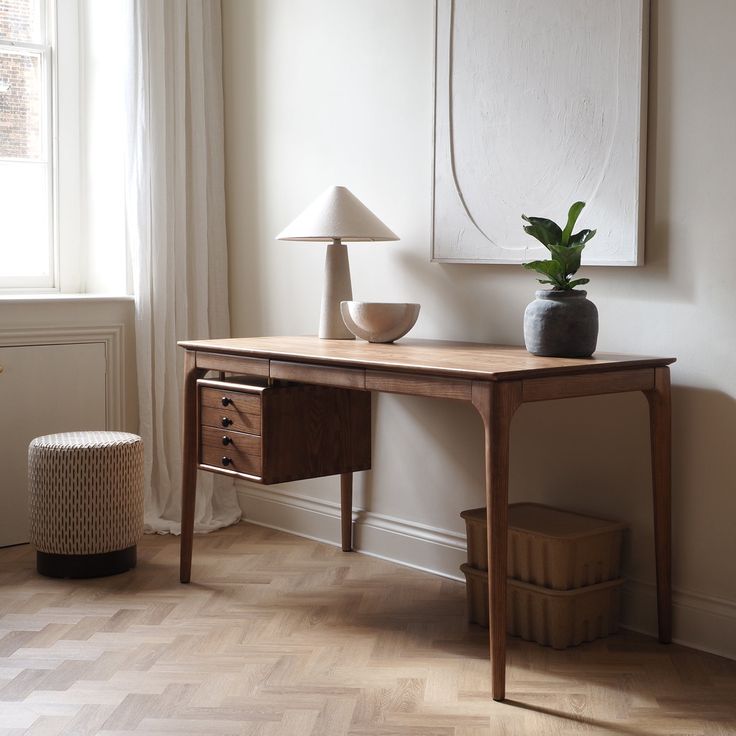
point(577, 282)
point(582, 237)
point(540, 236)
point(572, 218)
point(548, 268)
point(568, 257)
point(544, 230)
point(552, 269)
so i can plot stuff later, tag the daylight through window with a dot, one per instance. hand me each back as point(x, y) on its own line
point(26, 192)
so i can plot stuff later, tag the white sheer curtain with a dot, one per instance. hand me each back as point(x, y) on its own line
point(175, 219)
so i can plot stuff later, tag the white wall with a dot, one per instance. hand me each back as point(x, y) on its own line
point(322, 92)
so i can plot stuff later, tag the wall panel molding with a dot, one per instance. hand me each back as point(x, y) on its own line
point(109, 334)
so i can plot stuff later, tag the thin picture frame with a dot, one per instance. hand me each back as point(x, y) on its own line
point(613, 173)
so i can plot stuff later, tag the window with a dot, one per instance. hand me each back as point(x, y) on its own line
point(27, 227)
point(62, 195)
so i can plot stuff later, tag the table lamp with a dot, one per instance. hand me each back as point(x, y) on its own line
point(337, 216)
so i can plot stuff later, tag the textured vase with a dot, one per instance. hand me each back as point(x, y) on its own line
point(562, 324)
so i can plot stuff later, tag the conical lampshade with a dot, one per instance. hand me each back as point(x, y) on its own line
point(337, 214)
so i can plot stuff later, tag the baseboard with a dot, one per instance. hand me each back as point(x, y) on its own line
point(408, 543)
point(702, 622)
point(699, 621)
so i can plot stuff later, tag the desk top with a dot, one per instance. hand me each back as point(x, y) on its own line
point(435, 357)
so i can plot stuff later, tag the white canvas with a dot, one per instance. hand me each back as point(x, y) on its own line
point(538, 104)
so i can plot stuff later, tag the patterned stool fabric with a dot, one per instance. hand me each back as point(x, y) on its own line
point(86, 502)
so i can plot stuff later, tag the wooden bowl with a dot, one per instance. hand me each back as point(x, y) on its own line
point(379, 321)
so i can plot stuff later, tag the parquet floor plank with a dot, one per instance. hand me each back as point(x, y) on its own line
point(282, 636)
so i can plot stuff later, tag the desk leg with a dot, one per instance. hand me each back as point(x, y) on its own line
point(660, 421)
point(189, 463)
point(346, 511)
point(496, 401)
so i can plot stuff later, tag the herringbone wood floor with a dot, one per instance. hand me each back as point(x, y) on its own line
point(281, 635)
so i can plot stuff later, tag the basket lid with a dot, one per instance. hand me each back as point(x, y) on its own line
point(474, 514)
point(536, 518)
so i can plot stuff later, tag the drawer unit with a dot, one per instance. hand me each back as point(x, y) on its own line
point(238, 411)
point(282, 432)
point(235, 451)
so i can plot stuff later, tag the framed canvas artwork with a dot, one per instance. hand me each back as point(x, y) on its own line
point(538, 104)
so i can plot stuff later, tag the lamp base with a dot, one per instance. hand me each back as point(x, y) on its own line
point(337, 288)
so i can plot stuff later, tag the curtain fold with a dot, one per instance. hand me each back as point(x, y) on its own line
point(175, 232)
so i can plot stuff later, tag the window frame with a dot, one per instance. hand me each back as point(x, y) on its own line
point(60, 68)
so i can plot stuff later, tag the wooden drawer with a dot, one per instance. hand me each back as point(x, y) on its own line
point(234, 451)
point(282, 432)
point(238, 411)
point(318, 374)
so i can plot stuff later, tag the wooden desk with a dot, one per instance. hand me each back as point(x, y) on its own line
point(495, 379)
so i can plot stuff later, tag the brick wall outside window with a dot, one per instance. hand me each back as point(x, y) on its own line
point(20, 113)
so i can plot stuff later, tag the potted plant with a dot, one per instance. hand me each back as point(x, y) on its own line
point(560, 321)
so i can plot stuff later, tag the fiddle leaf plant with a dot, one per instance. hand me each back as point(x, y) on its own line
point(564, 247)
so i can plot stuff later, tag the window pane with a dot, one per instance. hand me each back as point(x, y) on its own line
point(24, 214)
point(20, 106)
point(20, 20)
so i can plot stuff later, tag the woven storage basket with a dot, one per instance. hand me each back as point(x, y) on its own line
point(550, 547)
point(557, 618)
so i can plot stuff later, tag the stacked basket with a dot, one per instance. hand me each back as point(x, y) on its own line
point(563, 574)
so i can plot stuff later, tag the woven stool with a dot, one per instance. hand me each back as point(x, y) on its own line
point(86, 502)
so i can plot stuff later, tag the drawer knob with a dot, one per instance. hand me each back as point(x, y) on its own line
point(226, 441)
point(226, 421)
point(226, 401)
point(226, 461)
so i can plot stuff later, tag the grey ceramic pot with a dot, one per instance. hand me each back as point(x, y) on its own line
point(562, 324)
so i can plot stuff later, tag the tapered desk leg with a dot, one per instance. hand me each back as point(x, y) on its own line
point(189, 464)
point(346, 511)
point(660, 421)
point(496, 402)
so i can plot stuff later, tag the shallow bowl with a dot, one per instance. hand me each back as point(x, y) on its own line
point(379, 321)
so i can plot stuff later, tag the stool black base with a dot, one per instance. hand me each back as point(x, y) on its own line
point(86, 566)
